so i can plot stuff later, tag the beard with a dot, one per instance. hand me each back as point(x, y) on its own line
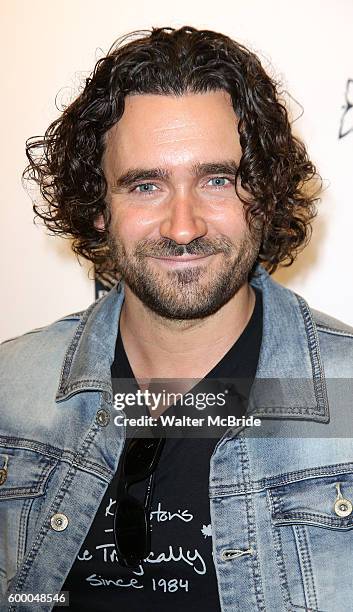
point(188, 293)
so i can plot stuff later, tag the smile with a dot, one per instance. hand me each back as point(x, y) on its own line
point(182, 261)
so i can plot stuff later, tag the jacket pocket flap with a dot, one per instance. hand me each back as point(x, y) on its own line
point(23, 472)
point(324, 501)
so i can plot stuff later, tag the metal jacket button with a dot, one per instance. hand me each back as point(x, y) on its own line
point(59, 522)
point(343, 507)
point(102, 417)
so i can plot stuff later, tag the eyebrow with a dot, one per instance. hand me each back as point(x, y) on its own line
point(198, 170)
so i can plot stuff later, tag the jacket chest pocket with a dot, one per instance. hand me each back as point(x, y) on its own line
point(312, 526)
point(24, 475)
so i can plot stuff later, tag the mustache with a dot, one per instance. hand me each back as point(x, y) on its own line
point(165, 247)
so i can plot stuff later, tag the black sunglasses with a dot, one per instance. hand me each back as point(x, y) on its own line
point(132, 529)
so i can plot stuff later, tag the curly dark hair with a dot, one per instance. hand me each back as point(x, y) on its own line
point(274, 170)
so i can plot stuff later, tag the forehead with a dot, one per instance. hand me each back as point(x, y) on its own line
point(172, 130)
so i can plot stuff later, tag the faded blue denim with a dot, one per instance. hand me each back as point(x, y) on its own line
point(278, 543)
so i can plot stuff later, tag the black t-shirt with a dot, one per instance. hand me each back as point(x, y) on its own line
point(179, 573)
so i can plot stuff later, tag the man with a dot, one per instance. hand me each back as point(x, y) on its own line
point(176, 171)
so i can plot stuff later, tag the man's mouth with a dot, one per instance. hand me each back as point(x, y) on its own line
point(181, 261)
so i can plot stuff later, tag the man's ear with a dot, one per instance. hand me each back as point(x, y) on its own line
point(99, 223)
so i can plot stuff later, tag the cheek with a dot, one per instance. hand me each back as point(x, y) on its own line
point(229, 220)
point(131, 224)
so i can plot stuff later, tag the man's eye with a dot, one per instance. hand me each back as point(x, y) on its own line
point(219, 181)
point(145, 188)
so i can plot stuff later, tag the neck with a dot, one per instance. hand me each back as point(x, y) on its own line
point(165, 348)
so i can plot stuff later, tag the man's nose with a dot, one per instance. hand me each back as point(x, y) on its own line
point(183, 221)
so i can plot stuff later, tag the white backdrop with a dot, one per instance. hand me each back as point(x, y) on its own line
point(47, 47)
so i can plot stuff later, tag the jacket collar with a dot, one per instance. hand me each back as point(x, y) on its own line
point(289, 379)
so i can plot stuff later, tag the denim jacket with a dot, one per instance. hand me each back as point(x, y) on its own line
point(280, 500)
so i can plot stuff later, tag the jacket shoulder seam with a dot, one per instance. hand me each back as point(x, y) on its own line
point(333, 330)
point(71, 317)
point(74, 315)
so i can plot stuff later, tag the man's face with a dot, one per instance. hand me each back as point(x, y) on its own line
point(177, 230)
